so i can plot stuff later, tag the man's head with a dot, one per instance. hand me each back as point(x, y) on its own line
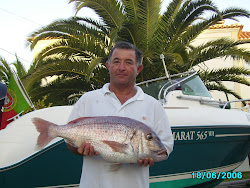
point(124, 64)
point(127, 45)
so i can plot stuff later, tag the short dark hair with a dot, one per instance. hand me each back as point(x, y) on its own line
point(127, 45)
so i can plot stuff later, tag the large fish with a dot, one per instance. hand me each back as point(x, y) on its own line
point(116, 139)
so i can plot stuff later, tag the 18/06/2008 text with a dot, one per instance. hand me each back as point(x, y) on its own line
point(217, 175)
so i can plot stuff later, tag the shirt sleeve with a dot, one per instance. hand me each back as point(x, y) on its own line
point(163, 129)
point(75, 113)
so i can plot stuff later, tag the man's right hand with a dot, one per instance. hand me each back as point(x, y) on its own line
point(87, 149)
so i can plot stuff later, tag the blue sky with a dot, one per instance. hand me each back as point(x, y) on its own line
point(18, 18)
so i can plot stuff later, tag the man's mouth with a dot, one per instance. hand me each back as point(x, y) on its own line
point(122, 75)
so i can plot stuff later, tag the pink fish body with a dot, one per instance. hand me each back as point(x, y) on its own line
point(116, 139)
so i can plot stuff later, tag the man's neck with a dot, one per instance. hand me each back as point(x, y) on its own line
point(123, 93)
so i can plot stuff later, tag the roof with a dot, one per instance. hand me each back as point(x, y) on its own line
point(242, 35)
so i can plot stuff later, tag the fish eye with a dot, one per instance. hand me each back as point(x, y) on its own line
point(150, 136)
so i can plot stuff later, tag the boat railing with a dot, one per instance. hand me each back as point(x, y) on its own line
point(202, 100)
point(173, 83)
point(164, 77)
point(247, 107)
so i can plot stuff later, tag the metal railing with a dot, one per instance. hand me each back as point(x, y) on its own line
point(234, 101)
point(174, 84)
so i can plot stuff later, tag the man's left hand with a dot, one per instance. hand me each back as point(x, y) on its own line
point(146, 162)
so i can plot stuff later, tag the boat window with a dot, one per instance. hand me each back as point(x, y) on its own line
point(153, 88)
point(194, 86)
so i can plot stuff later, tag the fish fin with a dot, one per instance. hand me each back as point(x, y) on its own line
point(115, 166)
point(42, 126)
point(76, 120)
point(116, 146)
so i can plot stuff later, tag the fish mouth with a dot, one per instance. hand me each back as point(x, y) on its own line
point(161, 152)
point(160, 155)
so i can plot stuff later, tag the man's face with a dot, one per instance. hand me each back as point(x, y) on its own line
point(123, 68)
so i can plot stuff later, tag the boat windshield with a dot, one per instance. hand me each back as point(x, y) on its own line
point(194, 86)
point(153, 88)
point(189, 86)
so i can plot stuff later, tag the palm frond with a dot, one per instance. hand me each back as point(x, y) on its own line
point(5, 71)
point(233, 13)
point(223, 48)
point(58, 67)
point(234, 74)
point(20, 69)
point(110, 11)
point(222, 88)
point(67, 28)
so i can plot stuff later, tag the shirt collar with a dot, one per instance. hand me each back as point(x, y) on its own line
point(138, 96)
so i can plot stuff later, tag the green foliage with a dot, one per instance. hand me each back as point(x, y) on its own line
point(5, 74)
point(39, 104)
point(79, 54)
point(5, 69)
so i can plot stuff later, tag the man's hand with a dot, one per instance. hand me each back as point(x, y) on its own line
point(87, 149)
point(146, 162)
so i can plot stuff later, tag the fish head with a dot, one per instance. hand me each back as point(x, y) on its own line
point(157, 150)
point(150, 145)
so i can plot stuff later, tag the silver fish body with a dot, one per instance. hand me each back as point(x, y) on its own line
point(116, 139)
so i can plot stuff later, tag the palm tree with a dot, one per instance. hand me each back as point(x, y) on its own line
point(83, 44)
point(6, 72)
point(6, 69)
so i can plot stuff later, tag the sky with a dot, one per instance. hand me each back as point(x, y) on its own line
point(19, 18)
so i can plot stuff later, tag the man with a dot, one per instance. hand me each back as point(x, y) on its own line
point(120, 98)
point(3, 91)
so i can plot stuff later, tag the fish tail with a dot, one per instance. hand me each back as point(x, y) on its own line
point(42, 126)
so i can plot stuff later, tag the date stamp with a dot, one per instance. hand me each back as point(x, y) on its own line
point(216, 175)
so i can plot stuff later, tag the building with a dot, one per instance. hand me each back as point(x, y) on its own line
point(234, 32)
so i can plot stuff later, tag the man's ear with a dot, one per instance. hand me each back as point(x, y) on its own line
point(139, 69)
point(107, 65)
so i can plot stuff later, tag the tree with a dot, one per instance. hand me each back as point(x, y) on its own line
point(6, 72)
point(5, 69)
point(83, 44)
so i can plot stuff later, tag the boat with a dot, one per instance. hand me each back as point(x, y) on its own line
point(212, 139)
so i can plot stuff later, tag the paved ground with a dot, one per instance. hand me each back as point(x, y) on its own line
point(235, 184)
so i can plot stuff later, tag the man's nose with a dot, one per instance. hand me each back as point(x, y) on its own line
point(122, 66)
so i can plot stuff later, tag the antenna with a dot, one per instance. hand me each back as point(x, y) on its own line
point(162, 57)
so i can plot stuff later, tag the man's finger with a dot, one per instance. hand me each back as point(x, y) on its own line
point(91, 151)
point(81, 148)
point(151, 162)
point(140, 162)
point(86, 149)
point(146, 162)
